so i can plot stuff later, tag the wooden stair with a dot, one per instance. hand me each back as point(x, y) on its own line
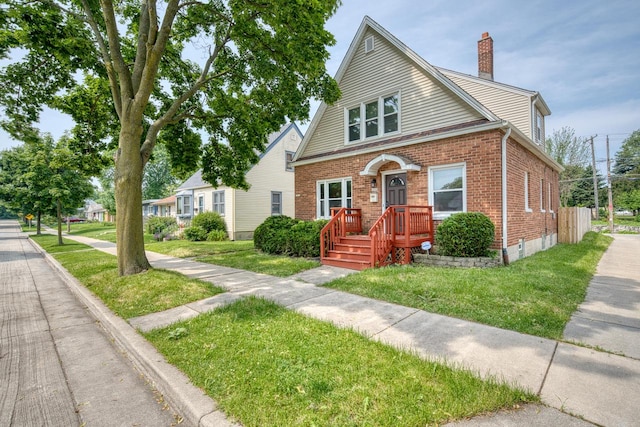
point(353, 252)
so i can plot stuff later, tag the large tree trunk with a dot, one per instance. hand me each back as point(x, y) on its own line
point(128, 193)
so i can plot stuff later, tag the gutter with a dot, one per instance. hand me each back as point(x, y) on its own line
point(505, 255)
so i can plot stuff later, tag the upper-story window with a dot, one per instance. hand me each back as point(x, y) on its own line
point(539, 130)
point(288, 159)
point(371, 119)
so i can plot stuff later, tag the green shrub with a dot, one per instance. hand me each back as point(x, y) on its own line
point(273, 235)
point(466, 234)
point(216, 236)
point(195, 233)
point(304, 238)
point(158, 224)
point(209, 221)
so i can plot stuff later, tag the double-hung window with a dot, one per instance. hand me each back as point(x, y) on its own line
point(183, 205)
point(373, 118)
point(218, 202)
point(527, 193)
point(447, 189)
point(201, 203)
point(276, 203)
point(332, 194)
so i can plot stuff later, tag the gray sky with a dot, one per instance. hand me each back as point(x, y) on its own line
point(582, 56)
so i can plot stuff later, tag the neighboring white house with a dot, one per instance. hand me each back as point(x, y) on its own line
point(94, 211)
point(271, 189)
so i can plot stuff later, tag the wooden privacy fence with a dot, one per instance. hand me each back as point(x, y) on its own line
point(573, 223)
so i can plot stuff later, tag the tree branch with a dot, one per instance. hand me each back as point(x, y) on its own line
point(141, 51)
point(170, 115)
point(120, 67)
point(106, 58)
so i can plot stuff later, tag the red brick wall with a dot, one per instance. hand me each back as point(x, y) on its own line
point(522, 224)
point(482, 154)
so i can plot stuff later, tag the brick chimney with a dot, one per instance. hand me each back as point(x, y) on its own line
point(485, 57)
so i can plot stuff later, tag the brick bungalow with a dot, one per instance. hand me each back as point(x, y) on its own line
point(406, 133)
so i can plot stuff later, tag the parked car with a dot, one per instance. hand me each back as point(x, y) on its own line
point(74, 219)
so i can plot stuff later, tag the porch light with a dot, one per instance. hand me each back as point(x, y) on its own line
point(373, 183)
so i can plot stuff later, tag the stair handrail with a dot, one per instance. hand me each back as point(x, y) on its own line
point(381, 234)
point(343, 221)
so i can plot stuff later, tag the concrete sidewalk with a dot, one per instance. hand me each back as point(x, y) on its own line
point(58, 366)
point(596, 386)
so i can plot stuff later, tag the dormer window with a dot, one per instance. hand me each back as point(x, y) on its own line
point(539, 131)
point(371, 119)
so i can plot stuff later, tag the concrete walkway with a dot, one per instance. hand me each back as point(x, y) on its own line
point(598, 387)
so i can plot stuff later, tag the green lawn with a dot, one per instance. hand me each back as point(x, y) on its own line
point(535, 295)
point(268, 366)
point(129, 296)
point(237, 254)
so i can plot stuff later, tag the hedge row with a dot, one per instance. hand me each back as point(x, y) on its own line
point(287, 236)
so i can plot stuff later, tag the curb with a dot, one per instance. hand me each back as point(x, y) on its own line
point(188, 400)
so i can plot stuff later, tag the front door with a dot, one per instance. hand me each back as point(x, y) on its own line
point(396, 194)
point(396, 189)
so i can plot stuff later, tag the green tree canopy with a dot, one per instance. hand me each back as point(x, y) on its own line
point(573, 153)
point(230, 70)
point(42, 177)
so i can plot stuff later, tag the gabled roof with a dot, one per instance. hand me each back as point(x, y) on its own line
point(368, 23)
point(196, 181)
point(166, 201)
point(509, 88)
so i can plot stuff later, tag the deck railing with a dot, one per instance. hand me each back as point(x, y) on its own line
point(382, 233)
point(343, 221)
point(404, 226)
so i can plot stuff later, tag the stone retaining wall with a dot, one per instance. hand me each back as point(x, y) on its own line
point(450, 261)
point(616, 228)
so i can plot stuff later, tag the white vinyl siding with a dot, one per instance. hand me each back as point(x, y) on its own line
point(424, 103)
point(267, 176)
point(508, 105)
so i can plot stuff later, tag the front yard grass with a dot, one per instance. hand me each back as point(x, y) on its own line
point(237, 254)
point(129, 296)
point(268, 366)
point(536, 295)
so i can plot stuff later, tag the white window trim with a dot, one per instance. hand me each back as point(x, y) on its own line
point(542, 209)
point(327, 209)
point(280, 203)
point(549, 205)
point(381, 134)
point(445, 214)
point(539, 127)
point(527, 208)
point(287, 166)
point(224, 202)
point(369, 44)
point(198, 196)
point(180, 205)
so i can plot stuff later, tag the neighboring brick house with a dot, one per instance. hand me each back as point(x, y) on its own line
point(271, 183)
point(408, 133)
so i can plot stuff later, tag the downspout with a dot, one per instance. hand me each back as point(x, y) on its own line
point(505, 255)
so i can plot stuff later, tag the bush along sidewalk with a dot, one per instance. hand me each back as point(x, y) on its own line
point(282, 235)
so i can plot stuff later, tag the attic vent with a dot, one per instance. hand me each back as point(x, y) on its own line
point(368, 44)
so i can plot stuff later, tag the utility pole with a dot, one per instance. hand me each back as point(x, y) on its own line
point(595, 178)
point(609, 188)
